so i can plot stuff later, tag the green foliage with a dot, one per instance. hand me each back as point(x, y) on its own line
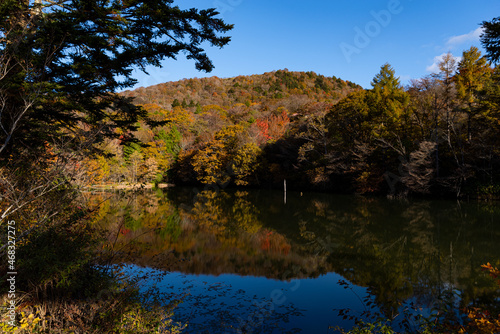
point(171, 139)
point(198, 109)
point(288, 79)
point(350, 119)
point(172, 229)
point(472, 74)
point(388, 100)
point(175, 103)
point(131, 221)
point(321, 84)
point(130, 148)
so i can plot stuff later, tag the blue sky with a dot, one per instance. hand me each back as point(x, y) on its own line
point(347, 39)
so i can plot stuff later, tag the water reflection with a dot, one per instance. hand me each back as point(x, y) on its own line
point(397, 250)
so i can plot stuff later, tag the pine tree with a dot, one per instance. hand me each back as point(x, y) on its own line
point(491, 39)
point(472, 73)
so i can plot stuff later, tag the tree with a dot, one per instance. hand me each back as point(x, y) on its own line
point(175, 103)
point(472, 72)
point(447, 68)
point(245, 162)
point(491, 39)
point(426, 105)
point(447, 95)
point(388, 100)
point(386, 80)
point(419, 169)
point(62, 61)
point(135, 160)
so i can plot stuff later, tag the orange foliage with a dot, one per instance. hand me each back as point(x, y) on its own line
point(273, 127)
point(493, 271)
point(482, 321)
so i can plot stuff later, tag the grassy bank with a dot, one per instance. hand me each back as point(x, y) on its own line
point(65, 283)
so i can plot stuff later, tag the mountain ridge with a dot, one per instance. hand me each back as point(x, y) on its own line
point(264, 88)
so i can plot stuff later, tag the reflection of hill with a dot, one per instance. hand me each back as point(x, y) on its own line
point(217, 235)
point(399, 250)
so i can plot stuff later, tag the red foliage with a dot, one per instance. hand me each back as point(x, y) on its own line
point(273, 242)
point(273, 127)
point(264, 128)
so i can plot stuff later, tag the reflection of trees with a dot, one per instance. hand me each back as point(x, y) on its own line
point(219, 233)
point(401, 250)
point(224, 214)
point(398, 250)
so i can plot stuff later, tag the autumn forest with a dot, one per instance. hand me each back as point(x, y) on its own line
point(78, 147)
point(436, 136)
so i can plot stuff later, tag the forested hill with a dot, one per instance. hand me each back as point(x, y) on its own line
point(219, 129)
point(439, 135)
point(289, 89)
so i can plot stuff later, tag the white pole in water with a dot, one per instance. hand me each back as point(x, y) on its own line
point(284, 186)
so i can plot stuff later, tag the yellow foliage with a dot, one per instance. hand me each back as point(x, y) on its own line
point(96, 169)
point(181, 117)
point(229, 134)
point(213, 162)
point(157, 150)
point(245, 162)
point(27, 324)
point(208, 163)
point(213, 109)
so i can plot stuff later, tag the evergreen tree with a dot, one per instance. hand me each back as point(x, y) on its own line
point(491, 39)
point(62, 61)
point(386, 80)
point(388, 100)
point(472, 73)
point(175, 103)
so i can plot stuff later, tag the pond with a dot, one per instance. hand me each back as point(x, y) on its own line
point(251, 262)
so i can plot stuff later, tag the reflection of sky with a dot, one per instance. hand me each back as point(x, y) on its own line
point(308, 304)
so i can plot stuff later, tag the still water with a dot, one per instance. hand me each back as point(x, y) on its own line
point(249, 262)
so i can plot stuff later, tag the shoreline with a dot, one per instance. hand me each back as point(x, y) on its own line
point(135, 186)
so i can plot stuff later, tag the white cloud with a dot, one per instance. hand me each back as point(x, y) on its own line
point(453, 43)
point(473, 36)
point(434, 68)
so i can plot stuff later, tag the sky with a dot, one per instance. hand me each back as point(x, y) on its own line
point(348, 39)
